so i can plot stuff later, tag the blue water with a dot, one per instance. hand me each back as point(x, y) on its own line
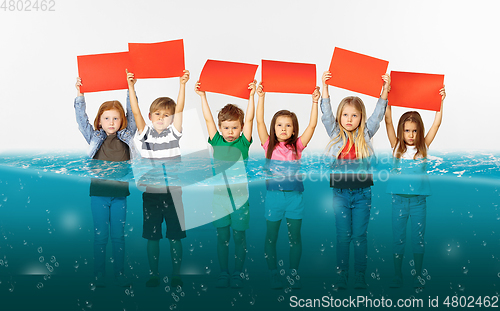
point(46, 237)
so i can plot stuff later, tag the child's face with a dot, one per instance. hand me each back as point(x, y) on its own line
point(283, 128)
point(230, 130)
point(110, 121)
point(350, 118)
point(161, 119)
point(410, 133)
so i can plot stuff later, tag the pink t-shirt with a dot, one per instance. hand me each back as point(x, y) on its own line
point(283, 152)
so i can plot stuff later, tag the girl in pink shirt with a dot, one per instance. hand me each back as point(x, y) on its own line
point(283, 148)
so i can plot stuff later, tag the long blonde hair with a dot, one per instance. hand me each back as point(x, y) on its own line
point(360, 145)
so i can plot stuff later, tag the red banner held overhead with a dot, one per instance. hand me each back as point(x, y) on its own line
point(357, 72)
point(285, 77)
point(103, 72)
point(227, 78)
point(416, 90)
point(157, 60)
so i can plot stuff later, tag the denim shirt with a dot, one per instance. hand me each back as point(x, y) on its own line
point(95, 138)
point(332, 127)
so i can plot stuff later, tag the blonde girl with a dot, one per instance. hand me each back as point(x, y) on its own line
point(350, 132)
point(284, 195)
point(109, 139)
point(409, 196)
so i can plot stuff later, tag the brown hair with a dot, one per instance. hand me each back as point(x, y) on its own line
point(162, 103)
point(231, 112)
point(400, 148)
point(273, 139)
point(110, 105)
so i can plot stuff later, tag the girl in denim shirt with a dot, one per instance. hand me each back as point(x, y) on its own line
point(410, 187)
point(350, 133)
point(111, 140)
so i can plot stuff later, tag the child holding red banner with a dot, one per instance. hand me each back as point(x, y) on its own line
point(284, 196)
point(110, 139)
point(160, 143)
point(230, 201)
point(350, 132)
point(409, 186)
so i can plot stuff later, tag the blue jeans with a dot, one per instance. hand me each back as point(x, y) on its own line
point(109, 220)
point(352, 213)
point(402, 208)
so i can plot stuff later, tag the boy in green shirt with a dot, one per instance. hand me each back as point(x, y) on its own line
point(230, 202)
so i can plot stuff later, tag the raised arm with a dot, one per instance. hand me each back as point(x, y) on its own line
point(326, 76)
point(179, 107)
point(313, 120)
point(437, 120)
point(327, 117)
point(139, 120)
point(207, 114)
point(390, 127)
point(373, 122)
point(261, 126)
point(386, 86)
point(248, 126)
point(81, 115)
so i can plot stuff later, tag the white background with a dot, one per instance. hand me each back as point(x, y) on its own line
point(38, 63)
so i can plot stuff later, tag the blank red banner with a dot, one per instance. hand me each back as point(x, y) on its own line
point(285, 77)
point(157, 60)
point(227, 78)
point(103, 72)
point(357, 72)
point(416, 90)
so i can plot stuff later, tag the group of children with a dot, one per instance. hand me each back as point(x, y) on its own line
point(114, 134)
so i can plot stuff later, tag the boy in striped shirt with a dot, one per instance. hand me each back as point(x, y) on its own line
point(160, 141)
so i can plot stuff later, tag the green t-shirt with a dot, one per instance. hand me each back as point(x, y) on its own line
point(230, 151)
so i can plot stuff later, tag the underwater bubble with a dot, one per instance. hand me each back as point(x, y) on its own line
point(56, 264)
point(281, 298)
point(280, 263)
point(40, 250)
point(208, 270)
point(179, 288)
point(412, 263)
point(373, 275)
point(41, 259)
point(428, 277)
point(52, 259)
point(183, 294)
point(39, 285)
point(11, 288)
point(413, 272)
point(424, 272)
point(173, 306)
point(484, 243)
point(167, 288)
point(176, 298)
point(322, 248)
point(127, 291)
point(465, 270)
point(282, 271)
point(165, 279)
point(252, 302)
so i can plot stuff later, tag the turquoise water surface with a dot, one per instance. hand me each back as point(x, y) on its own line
point(46, 238)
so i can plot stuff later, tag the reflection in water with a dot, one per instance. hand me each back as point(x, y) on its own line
point(45, 214)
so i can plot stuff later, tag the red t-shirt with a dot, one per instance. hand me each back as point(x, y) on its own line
point(348, 155)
